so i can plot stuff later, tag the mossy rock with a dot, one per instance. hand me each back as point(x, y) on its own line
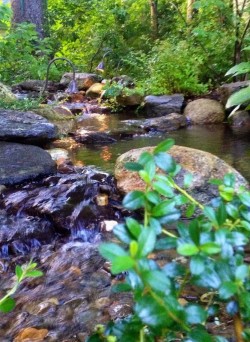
point(6, 94)
point(57, 113)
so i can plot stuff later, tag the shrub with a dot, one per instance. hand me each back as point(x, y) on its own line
point(211, 241)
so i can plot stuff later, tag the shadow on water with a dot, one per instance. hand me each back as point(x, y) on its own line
point(219, 140)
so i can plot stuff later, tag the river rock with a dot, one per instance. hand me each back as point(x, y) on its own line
point(19, 163)
point(93, 138)
point(6, 94)
point(240, 121)
point(170, 122)
point(227, 89)
point(84, 80)
point(202, 165)
point(25, 127)
point(133, 99)
point(35, 86)
point(163, 105)
point(205, 111)
point(95, 90)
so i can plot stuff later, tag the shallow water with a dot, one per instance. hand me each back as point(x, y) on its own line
point(217, 139)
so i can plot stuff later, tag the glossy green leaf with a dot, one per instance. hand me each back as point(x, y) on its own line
point(153, 197)
point(221, 214)
point(210, 248)
point(131, 166)
point(229, 180)
point(245, 198)
point(188, 178)
point(134, 200)
point(155, 225)
point(227, 289)
point(163, 208)
point(242, 272)
point(122, 264)
point(239, 97)
point(157, 280)
point(239, 69)
point(195, 314)
point(150, 168)
point(120, 287)
point(145, 158)
point(122, 233)
point(134, 227)
point(197, 265)
point(34, 274)
point(232, 210)
point(133, 248)
point(211, 215)
point(19, 272)
point(227, 193)
point(144, 176)
point(187, 249)
point(111, 251)
point(165, 162)
point(163, 189)
point(164, 146)
point(146, 241)
point(190, 210)
point(7, 305)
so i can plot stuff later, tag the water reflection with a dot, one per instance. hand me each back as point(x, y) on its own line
point(219, 140)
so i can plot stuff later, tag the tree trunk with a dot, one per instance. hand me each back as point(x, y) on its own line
point(32, 11)
point(154, 17)
point(190, 5)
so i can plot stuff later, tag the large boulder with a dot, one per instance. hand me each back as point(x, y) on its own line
point(83, 80)
point(25, 127)
point(95, 90)
point(35, 86)
point(21, 163)
point(6, 94)
point(205, 111)
point(227, 89)
point(163, 105)
point(165, 123)
point(202, 165)
point(240, 121)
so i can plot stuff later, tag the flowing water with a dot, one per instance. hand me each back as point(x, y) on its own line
point(219, 140)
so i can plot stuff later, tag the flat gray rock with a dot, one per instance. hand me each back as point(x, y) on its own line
point(25, 127)
point(19, 163)
point(163, 105)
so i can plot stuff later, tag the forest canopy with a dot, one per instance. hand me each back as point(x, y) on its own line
point(166, 46)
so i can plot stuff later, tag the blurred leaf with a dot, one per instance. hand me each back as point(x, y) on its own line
point(111, 251)
point(188, 178)
point(163, 188)
point(19, 272)
point(195, 314)
point(134, 227)
point(164, 146)
point(146, 241)
point(35, 273)
point(197, 264)
point(121, 264)
point(239, 69)
point(227, 289)
point(157, 280)
point(210, 248)
point(165, 162)
point(245, 198)
point(239, 97)
point(7, 305)
point(187, 249)
point(134, 200)
point(122, 233)
point(131, 166)
point(163, 208)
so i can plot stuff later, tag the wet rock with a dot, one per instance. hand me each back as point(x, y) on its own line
point(22, 233)
point(56, 113)
point(226, 90)
point(25, 127)
point(240, 121)
point(202, 165)
point(163, 105)
point(31, 335)
point(58, 153)
point(95, 90)
point(133, 99)
point(6, 94)
point(35, 85)
point(170, 122)
point(83, 80)
point(205, 111)
point(21, 163)
point(69, 202)
point(93, 138)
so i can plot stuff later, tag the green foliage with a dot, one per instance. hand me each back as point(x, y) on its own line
point(23, 55)
point(5, 15)
point(24, 104)
point(212, 244)
point(7, 303)
point(242, 96)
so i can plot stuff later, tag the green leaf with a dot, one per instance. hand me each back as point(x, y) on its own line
point(232, 210)
point(120, 287)
point(111, 251)
point(242, 272)
point(34, 274)
point(164, 146)
point(187, 249)
point(190, 210)
point(227, 289)
point(197, 264)
point(165, 162)
point(133, 248)
point(7, 305)
point(210, 248)
point(150, 169)
point(227, 193)
point(221, 214)
point(239, 97)
point(245, 225)
point(146, 241)
point(153, 197)
point(164, 208)
point(239, 69)
point(134, 227)
point(245, 198)
point(157, 280)
point(121, 264)
point(19, 272)
point(229, 180)
point(131, 166)
point(134, 200)
point(144, 176)
point(163, 189)
point(211, 215)
point(122, 233)
point(195, 314)
point(145, 158)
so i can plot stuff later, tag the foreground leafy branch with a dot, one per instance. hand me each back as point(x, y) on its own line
point(211, 241)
